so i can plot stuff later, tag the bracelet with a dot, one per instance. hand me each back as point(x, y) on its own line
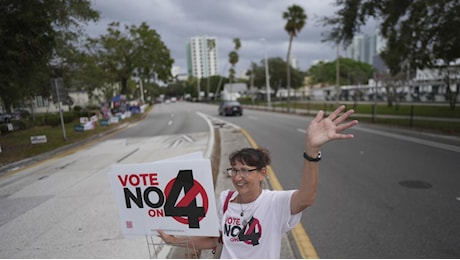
point(311, 159)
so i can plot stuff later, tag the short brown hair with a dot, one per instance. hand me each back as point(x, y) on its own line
point(257, 157)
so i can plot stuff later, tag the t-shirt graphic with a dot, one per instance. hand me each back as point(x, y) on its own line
point(251, 232)
point(256, 231)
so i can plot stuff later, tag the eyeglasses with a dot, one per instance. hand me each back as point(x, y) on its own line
point(243, 172)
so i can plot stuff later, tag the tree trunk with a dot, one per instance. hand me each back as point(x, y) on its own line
point(124, 86)
point(288, 74)
point(389, 96)
point(207, 88)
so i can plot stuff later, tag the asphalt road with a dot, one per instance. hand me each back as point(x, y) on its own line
point(387, 193)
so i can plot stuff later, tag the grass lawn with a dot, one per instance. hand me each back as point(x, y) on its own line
point(403, 110)
point(17, 145)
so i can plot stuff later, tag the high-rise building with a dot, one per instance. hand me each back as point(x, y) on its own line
point(294, 62)
point(202, 56)
point(360, 49)
point(367, 48)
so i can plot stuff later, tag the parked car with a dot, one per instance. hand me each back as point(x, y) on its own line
point(20, 114)
point(230, 108)
point(5, 118)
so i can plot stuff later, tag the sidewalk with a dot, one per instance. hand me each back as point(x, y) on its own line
point(231, 138)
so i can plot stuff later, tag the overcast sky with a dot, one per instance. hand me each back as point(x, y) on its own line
point(176, 21)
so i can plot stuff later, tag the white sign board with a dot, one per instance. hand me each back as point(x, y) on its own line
point(83, 120)
point(38, 139)
point(175, 195)
point(113, 120)
point(89, 125)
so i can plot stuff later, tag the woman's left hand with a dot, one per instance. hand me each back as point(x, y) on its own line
point(322, 130)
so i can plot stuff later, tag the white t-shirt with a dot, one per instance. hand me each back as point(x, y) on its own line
point(266, 219)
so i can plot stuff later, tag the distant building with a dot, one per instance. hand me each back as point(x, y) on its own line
point(242, 75)
point(294, 62)
point(202, 57)
point(175, 70)
point(367, 48)
point(233, 91)
point(177, 75)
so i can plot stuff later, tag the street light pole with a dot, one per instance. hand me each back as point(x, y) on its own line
point(267, 76)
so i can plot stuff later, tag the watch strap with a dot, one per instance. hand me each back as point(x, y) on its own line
point(312, 159)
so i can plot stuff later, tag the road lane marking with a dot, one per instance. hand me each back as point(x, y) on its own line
point(412, 139)
point(211, 140)
point(128, 155)
point(439, 145)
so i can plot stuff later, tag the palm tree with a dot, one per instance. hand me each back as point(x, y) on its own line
point(211, 44)
point(295, 20)
point(233, 59)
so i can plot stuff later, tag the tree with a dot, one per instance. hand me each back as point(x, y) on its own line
point(211, 44)
point(135, 52)
point(89, 76)
point(233, 59)
point(277, 67)
point(37, 39)
point(295, 20)
point(351, 72)
point(419, 34)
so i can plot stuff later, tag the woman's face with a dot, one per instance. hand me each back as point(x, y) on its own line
point(250, 184)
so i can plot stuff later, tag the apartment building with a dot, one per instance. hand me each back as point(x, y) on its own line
point(202, 58)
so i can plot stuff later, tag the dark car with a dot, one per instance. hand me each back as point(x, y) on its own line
point(20, 114)
point(5, 118)
point(230, 108)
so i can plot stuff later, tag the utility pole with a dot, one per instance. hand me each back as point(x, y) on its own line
point(267, 76)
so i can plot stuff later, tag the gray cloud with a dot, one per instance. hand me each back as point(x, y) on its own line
point(176, 21)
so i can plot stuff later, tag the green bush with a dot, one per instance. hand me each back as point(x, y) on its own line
point(22, 124)
point(92, 107)
point(84, 113)
point(52, 119)
point(4, 129)
point(55, 119)
point(77, 108)
point(245, 100)
point(69, 117)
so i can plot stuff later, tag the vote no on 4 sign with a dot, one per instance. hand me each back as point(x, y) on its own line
point(174, 195)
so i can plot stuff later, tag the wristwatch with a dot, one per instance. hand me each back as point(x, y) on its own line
point(311, 159)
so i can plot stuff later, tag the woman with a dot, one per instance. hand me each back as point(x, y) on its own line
point(253, 220)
